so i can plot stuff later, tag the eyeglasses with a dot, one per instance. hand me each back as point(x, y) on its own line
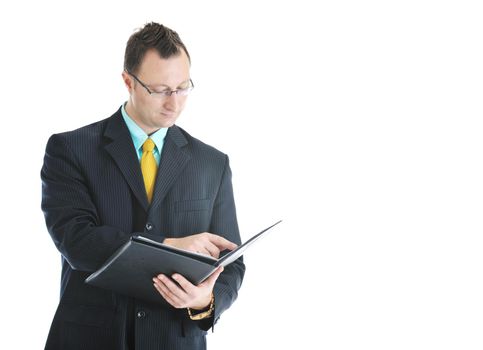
point(164, 93)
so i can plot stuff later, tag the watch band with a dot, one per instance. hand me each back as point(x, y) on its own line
point(204, 314)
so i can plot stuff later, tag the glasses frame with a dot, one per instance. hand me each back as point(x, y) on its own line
point(165, 93)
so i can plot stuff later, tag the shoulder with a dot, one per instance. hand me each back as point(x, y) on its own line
point(201, 148)
point(85, 136)
point(91, 130)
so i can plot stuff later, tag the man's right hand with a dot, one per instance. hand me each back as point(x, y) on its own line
point(203, 243)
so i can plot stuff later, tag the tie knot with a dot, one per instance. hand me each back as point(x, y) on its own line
point(148, 145)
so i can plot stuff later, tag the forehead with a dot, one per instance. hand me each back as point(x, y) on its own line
point(169, 71)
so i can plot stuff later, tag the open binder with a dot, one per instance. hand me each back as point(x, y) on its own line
point(130, 269)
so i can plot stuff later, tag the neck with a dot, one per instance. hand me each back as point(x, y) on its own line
point(134, 116)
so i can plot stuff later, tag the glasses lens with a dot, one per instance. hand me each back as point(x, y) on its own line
point(183, 92)
point(167, 93)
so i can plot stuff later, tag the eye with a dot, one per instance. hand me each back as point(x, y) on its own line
point(159, 90)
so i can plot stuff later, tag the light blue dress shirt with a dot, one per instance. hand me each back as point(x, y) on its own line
point(139, 137)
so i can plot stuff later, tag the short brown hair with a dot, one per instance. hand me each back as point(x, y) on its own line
point(152, 36)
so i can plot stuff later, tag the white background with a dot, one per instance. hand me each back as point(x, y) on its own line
point(357, 122)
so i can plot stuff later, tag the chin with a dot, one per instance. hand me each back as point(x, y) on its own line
point(166, 123)
point(168, 120)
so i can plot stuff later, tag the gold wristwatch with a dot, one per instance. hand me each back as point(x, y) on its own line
point(204, 314)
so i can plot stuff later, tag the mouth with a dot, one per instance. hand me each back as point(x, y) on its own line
point(168, 114)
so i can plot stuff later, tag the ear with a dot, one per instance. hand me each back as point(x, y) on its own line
point(128, 81)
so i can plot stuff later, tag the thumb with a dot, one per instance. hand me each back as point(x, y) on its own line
point(212, 279)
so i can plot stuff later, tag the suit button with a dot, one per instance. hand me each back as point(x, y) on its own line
point(141, 314)
point(149, 226)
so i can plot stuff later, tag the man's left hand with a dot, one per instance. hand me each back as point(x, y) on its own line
point(186, 294)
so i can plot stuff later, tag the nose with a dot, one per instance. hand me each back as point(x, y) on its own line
point(171, 102)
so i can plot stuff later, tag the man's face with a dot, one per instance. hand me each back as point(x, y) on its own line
point(152, 112)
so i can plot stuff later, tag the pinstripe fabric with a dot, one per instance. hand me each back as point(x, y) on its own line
point(93, 199)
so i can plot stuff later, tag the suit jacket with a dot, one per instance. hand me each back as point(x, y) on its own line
point(94, 200)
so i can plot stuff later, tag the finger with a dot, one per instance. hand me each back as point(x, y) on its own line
point(172, 287)
point(210, 281)
point(174, 299)
point(163, 291)
point(222, 243)
point(212, 249)
point(186, 285)
point(203, 250)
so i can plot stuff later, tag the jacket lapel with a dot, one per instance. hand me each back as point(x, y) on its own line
point(122, 151)
point(173, 160)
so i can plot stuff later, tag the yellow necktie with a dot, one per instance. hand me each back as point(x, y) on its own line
point(149, 167)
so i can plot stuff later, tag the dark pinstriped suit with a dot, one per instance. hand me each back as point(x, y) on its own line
point(93, 198)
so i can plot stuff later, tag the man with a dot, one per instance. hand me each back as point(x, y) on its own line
point(138, 173)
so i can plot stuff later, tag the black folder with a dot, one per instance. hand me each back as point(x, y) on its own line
point(130, 269)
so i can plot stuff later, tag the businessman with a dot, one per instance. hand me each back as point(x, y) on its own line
point(136, 172)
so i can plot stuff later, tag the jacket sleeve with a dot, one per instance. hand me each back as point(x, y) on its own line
point(224, 223)
point(70, 214)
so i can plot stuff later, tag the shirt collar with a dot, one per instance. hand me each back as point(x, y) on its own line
point(139, 136)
